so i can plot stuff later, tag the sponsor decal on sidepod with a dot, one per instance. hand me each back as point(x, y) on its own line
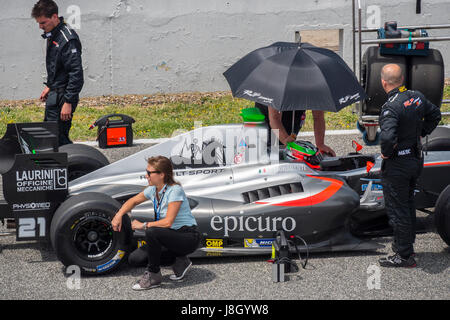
point(258, 243)
point(252, 224)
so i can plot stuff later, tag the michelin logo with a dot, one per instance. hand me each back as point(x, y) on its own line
point(258, 243)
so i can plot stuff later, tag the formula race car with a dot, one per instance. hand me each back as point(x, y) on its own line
point(241, 192)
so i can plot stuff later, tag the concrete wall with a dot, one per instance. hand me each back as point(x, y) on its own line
point(149, 46)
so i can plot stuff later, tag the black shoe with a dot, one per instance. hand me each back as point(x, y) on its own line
point(396, 261)
point(180, 267)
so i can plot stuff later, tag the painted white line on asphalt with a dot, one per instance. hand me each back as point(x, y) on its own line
point(301, 134)
point(330, 133)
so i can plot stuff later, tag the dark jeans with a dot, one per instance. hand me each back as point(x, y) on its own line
point(399, 176)
point(53, 107)
point(164, 244)
point(139, 257)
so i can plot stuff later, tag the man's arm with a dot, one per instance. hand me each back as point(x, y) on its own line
point(71, 58)
point(388, 135)
point(276, 124)
point(44, 94)
point(319, 132)
point(432, 117)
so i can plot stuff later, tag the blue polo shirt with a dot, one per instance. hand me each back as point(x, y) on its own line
point(172, 194)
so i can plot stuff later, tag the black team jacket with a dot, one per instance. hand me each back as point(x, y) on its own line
point(63, 62)
point(405, 117)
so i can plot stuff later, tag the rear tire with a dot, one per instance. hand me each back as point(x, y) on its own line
point(426, 74)
point(83, 159)
point(372, 63)
point(442, 215)
point(81, 234)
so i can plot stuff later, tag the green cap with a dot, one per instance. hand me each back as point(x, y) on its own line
point(252, 115)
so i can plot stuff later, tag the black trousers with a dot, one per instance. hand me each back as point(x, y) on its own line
point(139, 257)
point(163, 245)
point(53, 107)
point(399, 177)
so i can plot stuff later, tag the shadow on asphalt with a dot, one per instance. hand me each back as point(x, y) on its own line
point(194, 276)
point(265, 258)
point(45, 249)
point(433, 262)
point(429, 262)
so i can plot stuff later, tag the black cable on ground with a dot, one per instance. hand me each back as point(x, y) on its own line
point(298, 252)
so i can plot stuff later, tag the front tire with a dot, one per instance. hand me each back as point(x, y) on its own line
point(82, 235)
point(442, 215)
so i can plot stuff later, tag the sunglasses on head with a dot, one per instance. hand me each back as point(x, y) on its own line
point(150, 172)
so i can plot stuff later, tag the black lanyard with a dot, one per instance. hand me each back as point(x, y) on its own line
point(157, 204)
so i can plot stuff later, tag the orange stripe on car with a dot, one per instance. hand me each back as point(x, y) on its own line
point(320, 197)
point(436, 163)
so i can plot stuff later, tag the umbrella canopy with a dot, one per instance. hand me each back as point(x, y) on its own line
point(294, 76)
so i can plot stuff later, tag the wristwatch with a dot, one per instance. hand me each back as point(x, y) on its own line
point(145, 226)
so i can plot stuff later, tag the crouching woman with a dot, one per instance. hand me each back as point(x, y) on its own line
point(174, 229)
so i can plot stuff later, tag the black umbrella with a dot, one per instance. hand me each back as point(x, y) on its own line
point(293, 76)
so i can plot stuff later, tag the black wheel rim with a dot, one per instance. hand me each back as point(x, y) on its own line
point(93, 238)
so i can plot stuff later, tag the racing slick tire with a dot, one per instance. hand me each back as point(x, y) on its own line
point(442, 215)
point(8, 149)
point(438, 140)
point(82, 159)
point(81, 234)
point(372, 63)
point(426, 74)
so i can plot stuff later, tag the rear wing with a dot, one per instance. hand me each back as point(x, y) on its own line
point(34, 177)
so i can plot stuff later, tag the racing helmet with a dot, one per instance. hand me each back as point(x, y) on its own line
point(304, 151)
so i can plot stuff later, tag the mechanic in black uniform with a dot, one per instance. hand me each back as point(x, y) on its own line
point(405, 117)
point(288, 127)
point(64, 67)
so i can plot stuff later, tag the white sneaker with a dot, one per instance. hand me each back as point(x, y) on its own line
point(148, 281)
